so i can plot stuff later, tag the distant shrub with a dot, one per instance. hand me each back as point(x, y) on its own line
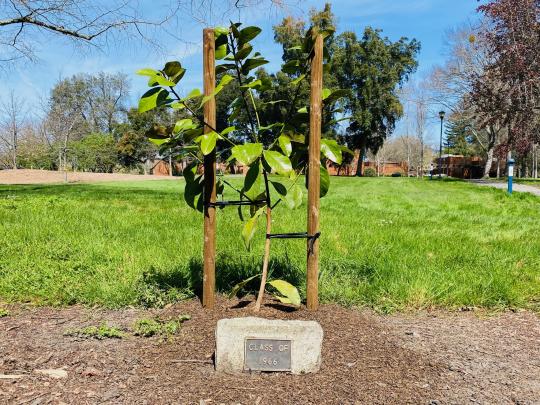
point(370, 172)
point(397, 174)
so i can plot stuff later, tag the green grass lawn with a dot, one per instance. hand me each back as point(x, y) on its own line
point(389, 244)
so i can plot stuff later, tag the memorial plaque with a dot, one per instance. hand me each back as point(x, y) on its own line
point(267, 354)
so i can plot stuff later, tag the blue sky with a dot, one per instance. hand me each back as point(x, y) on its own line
point(425, 20)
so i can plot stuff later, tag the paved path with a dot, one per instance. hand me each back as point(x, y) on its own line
point(522, 188)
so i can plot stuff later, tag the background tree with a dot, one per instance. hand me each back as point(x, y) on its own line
point(12, 117)
point(508, 90)
point(372, 68)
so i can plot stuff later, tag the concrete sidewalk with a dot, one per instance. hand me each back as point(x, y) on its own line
point(521, 188)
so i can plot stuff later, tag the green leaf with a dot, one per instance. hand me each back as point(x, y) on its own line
point(289, 293)
point(250, 227)
point(326, 93)
point(302, 110)
point(325, 181)
point(192, 94)
point(247, 153)
point(293, 199)
point(291, 67)
point(251, 64)
point(243, 52)
point(336, 95)
point(174, 71)
point(159, 142)
point(147, 72)
point(218, 31)
point(251, 85)
point(247, 34)
point(279, 163)
point(298, 80)
point(224, 68)
point(220, 35)
point(285, 144)
point(280, 188)
point(228, 130)
point(193, 191)
point(225, 79)
point(253, 181)
point(160, 80)
point(183, 125)
point(208, 142)
point(153, 98)
point(241, 285)
point(331, 150)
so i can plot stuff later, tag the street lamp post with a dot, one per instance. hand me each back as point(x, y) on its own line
point(441, 116)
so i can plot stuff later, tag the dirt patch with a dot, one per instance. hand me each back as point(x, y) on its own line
point(27, 176)
point(428, 359)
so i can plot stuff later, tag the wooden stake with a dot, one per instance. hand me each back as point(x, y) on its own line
point(314, 179)
point(209, 251)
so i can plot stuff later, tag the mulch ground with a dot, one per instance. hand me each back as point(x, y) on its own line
point(427, 358)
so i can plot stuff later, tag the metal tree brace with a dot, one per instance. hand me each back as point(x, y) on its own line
point(292, 235)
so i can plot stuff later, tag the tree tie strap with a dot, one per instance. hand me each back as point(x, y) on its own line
point(297, 235)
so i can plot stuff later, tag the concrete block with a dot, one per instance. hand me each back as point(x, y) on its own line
point(244, 344)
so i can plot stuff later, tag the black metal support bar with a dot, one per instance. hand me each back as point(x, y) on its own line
point(227, 203)
point(297, 235)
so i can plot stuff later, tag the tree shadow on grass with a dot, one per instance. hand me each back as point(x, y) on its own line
point(230, 270)
point(158, 288)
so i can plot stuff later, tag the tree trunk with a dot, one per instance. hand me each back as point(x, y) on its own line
point(489, 162)
point(264, 275)
point(360, 163)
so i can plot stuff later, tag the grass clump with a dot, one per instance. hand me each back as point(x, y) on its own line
point(159, 327)
point(3, 312)
point(96, 332)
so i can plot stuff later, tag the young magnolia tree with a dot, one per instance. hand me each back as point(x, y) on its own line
point(275, 153)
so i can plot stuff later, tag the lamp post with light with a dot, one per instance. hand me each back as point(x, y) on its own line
point(441, 116)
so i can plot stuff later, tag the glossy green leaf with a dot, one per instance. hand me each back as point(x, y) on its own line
point(285, 144)
point(247, 34)
point(293, 199)
point(326, 93)
point(224, 68)
point(147, 72)
point(153, 98)
point(228, 130)
point(279, 163)
point(302, 110)
point(183, 124)
point(250, 227)
point(253, 181)
point(289, 293)
point(174, 71)
point(193, 191)
point(298, 80)
point(159, 142)
point(251, 85)
point(331, 150)
point(251, 64)
point(247, 153)
point(208, 142)
point(279, 187)
point(325, 181)
point(160, 80)
point(243, 52)
point(236, 289)
point(192, 94)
